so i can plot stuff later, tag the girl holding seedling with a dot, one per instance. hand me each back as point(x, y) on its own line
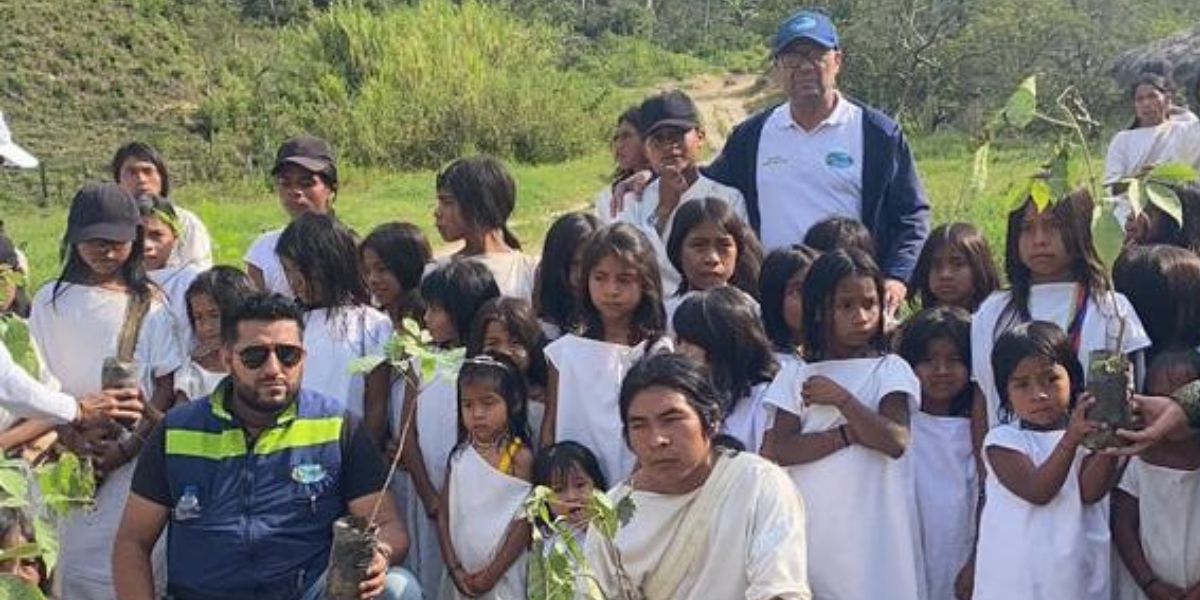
point(955, 268)
point(711, 246)
point(507, 326)
point(781, 291)
point(215, 292)
point(556, 293)
point(1046, 517)
point(622, 321)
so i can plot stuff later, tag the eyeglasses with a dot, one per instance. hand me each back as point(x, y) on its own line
point(799, 58)
point(667, 137)
point(255, 356)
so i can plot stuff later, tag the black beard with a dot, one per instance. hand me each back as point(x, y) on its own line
point(248, 397)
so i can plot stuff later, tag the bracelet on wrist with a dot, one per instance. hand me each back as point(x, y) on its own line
point(1148, 583)
point(845, 436)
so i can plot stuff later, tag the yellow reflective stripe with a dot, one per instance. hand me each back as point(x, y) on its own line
point(231, 443)
point(299, 434)
point(203, 444)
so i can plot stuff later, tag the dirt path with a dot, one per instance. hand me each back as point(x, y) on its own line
point(724, 101)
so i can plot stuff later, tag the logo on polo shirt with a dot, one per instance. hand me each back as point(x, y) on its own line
point(839, 160)
point(772, 161)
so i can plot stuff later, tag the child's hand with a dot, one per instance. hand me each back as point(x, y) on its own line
point(460, 577)
point(479, 582)
point(822, 390)
point(1079, 425)
point(1161, 590)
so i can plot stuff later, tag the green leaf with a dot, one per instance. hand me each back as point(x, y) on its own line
point(1107, 234)
point(1058, 172)
point(1173, 173)
point(47, 539)
point(14, 333)
point(67, 483)
point(1166, 200)
point(365, 364)
point(27, 550)
point(1042, 195)
point(1017, 195)
point(1133, 193)
point(15, 486)
point(1021, 107)
point(15, 588)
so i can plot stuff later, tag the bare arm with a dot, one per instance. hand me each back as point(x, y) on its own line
point(786, 445)
point(23, 432)
point(376, 394)
point(413, 459)
point(516, 542)
point(141, 524)
point(886, 430)
point(979, 429)
point(1037, 484)
point(551, 414)
point(1098, 476)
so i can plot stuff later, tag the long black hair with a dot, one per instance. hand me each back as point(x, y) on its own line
point(405, 251)
point(627, 244)
point(555, 299)
point(780, 266)
point(553, 463)
point(133, 271)
point(949, 323)
point(499, 373)
point(1163, 82)
point(460, 287)
point(1163, 285)
point(324, 251)
point(965, 239)
point(738, 362)
point(516, 316)
point(485, 191)
point(820, 286)
point(840, 233)
point(717, 212)
point(228, 287)
point(1035, 339)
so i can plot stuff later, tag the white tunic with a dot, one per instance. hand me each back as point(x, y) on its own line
point(1054, 302)
point(262, 254)
point(747, 422)
point(333, 340)
point(1169, 513)
point(174, 282)
point(437, 433)
point(515, 272)
point(195, 381)
point(194, 246)
point(1176, 139)
point(483, 503)
point(866, 530)
point(947, 494)
point(751, 546)
point(589, 385)
point(1050, 552)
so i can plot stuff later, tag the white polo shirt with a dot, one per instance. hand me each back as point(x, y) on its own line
point(805, 177)
point(641, 215)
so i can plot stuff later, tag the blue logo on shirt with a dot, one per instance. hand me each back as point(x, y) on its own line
point(839, 160)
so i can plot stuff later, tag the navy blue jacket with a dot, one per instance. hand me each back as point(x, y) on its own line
point(893, 202)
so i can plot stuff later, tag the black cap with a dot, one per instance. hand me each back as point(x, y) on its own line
point(102, 211)
point(308, 151)
point(668, 109)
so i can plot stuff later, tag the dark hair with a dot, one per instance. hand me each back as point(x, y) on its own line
point(1163, 285)
point(151, 205)
point(1161, 81)
point(627, 244)
point(405, 251)
point(1074, 215)
point(228, 287)
point(133, 272)
point(965, 239)
point(840, 233)
point(1171, 362)
point(485, 192)
point(324, 251)
point(141, 151)
point(779, 267)
point(949, 323)
point(633, 117)
point(1164, 230)
point(460, 287)
point(554, 298)
point(554, 462)
point(20, 305)
point(499, 372)
point(717, 212)
point(1035, 339)
point(820, 286)
point(724, 322)
point(261, 307)
point(15, 520)
point(516, 316)
point(681, 374)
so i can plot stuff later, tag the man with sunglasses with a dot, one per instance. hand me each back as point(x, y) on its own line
point(253, 477)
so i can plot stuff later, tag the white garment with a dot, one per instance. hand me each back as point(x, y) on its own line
point(1050, 552)
point(805, 177)
point(755, 547)
point(195, 381)
point(602, 205)
point(1176, 139)
point(947, 494)
point(334, 339)
point(515, 272)
point(748, 421)
point(589, 385)
point(866, 527)
point(1054, 302)
point(174, 282)
point(22, 396)
point(437, 433)
point(483, 502)
point(261, 254)
point(1169, 513)
point(641, 215)
point(194, 246)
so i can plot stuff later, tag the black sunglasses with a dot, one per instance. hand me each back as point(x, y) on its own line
point(254, 356)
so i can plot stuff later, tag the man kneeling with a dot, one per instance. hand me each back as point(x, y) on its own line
point(252, 478)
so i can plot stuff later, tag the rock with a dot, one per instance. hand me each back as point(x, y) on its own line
point(1181, 51)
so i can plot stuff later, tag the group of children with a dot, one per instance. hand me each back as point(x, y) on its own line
point(938, 451)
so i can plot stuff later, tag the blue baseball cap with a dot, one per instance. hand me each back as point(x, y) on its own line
point(805, 25)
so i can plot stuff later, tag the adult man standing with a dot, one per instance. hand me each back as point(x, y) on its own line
point(139, 169)
point(252, 478)
point(822, 154)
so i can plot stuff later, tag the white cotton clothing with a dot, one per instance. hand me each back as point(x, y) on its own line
point(515, 272)
point(1169, 514)
point(261, 254)
point(193, 246)
point(483, 503)
point(333, 339)
point(22, 396)
point(197, 382)
point(751, 546)
point(866, 526)
point(550, 330)
point(805, 177)
point(747, 422)
point(174, 282)
point(589, 385)
point(1049, 552)
point(947, 496)
point(602, 204)
point(1176, 139)
point(641, 215)
point(437, 433)
point(1054, 302)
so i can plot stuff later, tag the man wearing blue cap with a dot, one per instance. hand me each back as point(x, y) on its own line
point(822, 154)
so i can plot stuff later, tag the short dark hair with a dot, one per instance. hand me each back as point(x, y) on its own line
point(228, 287)
point(141, 151)
point(949, 323)
point(555, 461)
point(460, 287)
point(779, 267)
point(261, 307)
point(681, 374)
point(840, 233)
point(485, 192)
point(821, 284)
point(1172, 362)
point(965, 239)
point(1035, 339)
point(719, 213)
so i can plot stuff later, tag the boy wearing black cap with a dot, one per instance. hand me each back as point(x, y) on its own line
point(673, 139)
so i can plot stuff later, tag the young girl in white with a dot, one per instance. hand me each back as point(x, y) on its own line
point(320, 261)
point(741, 365)
point(622, 322)
point(556, 294)
point(481, 517)
point(1155, 522)
point(453, 294)
point(936, 343)
point(76, 322)
point(163, 225)
point(841, 432)
point(508, 326)
point(1054, 275)
point(215, 292)
point(1043, 533)
point(711, 246)
point(572, 472)
point(781, 292)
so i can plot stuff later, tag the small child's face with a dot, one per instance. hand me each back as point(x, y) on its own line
point(674, 147)
point(943, 373)
point(440, 325)
point(708, 256)
point(206, 320)
point(158, 244)
point(496, 338)
point(296, 280)
point(856, 312)
point(1041, 246)
point(950, 278)
point(571, 492)
point(615, 287)
point(1039, 391)
point(793, 305)
point(483, 412)
point(384, 287)
point(104, 257)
